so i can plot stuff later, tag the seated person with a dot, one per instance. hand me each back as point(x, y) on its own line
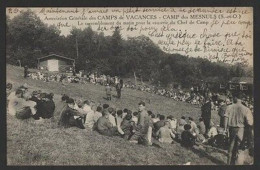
point(165, 134)
point(45, 107)
point(180, 127)
point(201, 131)
point(9, 87)
point(35, 97)
point(128, 126)
point(91, 118)
point(157, 118)
point(135, 117)
point(86, 106)
point(173, 123)
point(220, 140)
point(111, 117)
point(20, 107)
point(187, 139)
point(71, 117)
point(98, 113)
point(201, 126)
point(212, 131)
point(104, 126)
point(159, 124)
point(125, 111)
point(119, 117)
point(193, 126)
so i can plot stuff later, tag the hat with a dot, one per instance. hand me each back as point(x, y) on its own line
point(183, 117)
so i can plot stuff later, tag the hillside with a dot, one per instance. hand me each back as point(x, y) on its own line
point(43, 143)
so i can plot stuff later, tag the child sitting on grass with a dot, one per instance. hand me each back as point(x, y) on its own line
point(128, 126)
point(165, 134)
point(135, 118)
point(187, 139)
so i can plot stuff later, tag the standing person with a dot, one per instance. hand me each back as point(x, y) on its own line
point(118, 88)
point(206, 113)
point(140, 135)
point(221, 112)
point(25, 71)
point(236, 118)
point(108, 91)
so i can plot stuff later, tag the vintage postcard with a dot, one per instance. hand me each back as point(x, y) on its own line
point(129, 85)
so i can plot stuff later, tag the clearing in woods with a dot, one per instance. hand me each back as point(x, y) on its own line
point(43, 143)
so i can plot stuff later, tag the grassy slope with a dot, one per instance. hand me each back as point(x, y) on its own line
point(42, 143)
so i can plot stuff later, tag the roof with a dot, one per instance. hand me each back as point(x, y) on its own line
point(58, 56)
point(242, 80)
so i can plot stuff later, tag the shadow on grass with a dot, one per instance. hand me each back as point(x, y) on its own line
point(206, 155)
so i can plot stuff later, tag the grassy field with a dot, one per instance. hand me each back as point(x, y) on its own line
point(43, 143)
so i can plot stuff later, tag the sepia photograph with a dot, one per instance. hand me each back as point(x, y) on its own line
point(129, 86)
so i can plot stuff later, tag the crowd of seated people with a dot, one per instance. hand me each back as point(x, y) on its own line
point(140, 126)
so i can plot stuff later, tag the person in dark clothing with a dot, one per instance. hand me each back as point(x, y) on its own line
point(119, 87)
point(187, 139)
point(221, 113)
point(71, 117)
point(104, 126)
point(206, 114)
point(35, 97)
point(25, 71)
point(159, 124)
point(45, 107)
point(127, 126)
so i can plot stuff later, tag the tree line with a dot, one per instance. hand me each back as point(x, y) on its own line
point(28, 38)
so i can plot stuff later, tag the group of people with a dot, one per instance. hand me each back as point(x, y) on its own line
point(142, 126)
point(194, 96)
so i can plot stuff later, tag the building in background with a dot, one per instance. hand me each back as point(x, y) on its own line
point(56, 63)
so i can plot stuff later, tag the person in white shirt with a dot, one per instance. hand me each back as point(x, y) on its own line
point(212, 131)
point(86, 106)
point(173, 123)
point(98, 113)
point(124, 113)
point(111, 117)
point(193, 126)
point(20, 106)
point(157, 118)
point(135, 117)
